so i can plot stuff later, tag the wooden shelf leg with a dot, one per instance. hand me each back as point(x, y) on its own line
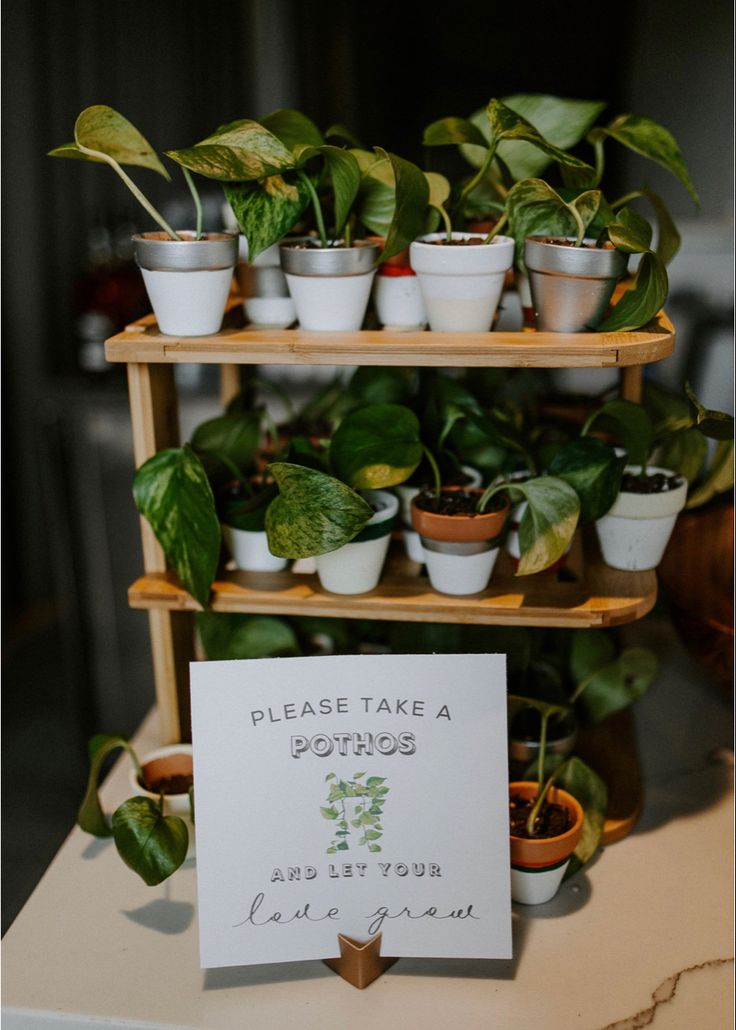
point(155, 421)
point(631, 383)
point(229, 383)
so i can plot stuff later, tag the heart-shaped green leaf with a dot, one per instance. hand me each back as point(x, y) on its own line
point(313, 514)
point(618, 684)
point(650, 139)
point(590, 650)
point(631, 426)
point(376, 446)
point(685, 452)
point(535, 209)
point(108, 133)
point(238, 152)
point(506, 124)
point(411, 195)
point(718, 477)
point(293, 128)
point(718, 425)
point(561, 121)
point(586, 785)
point(446, 131)
point(266, 211)
point(228, 636)
point(90, 817)
point(344, 173)
point(339, 131)
point(643, 301)
point(151, 844)
point(593, 471)
point(668, 236)
point(227, 445)
point(172, 492)
point(376, 199)
point(548, 524)
point(630, 232)
point(439, 189)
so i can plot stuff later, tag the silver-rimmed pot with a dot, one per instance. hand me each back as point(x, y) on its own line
point(330, 285)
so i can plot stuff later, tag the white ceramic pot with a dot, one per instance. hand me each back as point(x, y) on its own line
point(635, 532)
point(459, 568)
point(585, 382)
point(397, 298)
point(355, 568)
point(188, 281)
point(270, 312)
point(330, 286)
point(461, 286)
point(174, 804)
point(250, 552)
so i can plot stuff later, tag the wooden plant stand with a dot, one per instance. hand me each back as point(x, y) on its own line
point(596, 596)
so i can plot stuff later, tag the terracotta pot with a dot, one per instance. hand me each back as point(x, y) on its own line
point(459, 529)
point(538, 865)
point(459, 551)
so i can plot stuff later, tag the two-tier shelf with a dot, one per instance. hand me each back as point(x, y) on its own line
point(591, 595)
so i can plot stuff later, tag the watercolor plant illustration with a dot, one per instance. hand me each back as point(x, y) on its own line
point(356, 803)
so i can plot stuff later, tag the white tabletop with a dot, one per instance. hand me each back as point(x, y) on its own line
point(645, 933)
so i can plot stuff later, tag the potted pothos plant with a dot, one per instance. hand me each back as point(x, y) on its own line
point(342, 513)
point(634, 531)
point(152, 829)
point(187, 273)
point(273, 171)
point(506, 184)
point(461, 275)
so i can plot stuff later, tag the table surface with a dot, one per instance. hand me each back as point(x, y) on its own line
point(642, 936)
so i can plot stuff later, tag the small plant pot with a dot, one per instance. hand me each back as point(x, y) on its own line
point(250, 552)
point(355, 568)
point(173, 760)
point(266, 299)
point(635, 532)
point(188, 280)
point(571, 287)
point(538, 865)
point(330, 285)
point(406, 494)
point(461, 286)
point(397, 298)
point(524, 749)
point(460, 551)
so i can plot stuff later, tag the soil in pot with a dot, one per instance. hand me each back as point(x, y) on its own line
point(561, 241)
point(657, 483)
point(168, 775)
point(458, 502)
point(552, 821)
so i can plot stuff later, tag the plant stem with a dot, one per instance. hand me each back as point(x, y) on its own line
point(142, 200)
point(542, 750)
point(579, 222)
point(446, 220)
point(497, 228)
point(197, 201)
point(627, 198)
point(316, 205)
point(479, 175)
point(537, 806)
point(435, 470)
point(600, 161)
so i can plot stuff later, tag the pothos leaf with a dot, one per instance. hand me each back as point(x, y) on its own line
point(172, 492)
point(313, 514)
point(548, 524)
point(151, 844)
point(593, 471)
point(376, 446)
point(718, 477)
point(293, 128)
point(642, 301)
point(631, 426)
point(228, 636)
point(506, 124)
point(718, 425)
point(630, 232)
point(410, 204)
point(650, 139)
point(241, 151)
point(104, 130)
point(618, 684)
point(446, 131)
point(344, 173)
point(267, 210)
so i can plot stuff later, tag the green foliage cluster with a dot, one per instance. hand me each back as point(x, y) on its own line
point(368, 796)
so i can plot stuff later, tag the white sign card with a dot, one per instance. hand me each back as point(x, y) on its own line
point(351, 794)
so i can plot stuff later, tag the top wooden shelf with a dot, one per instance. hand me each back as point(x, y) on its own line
point(236, 344)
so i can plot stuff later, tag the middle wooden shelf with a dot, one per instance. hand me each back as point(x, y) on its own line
point(585, 593)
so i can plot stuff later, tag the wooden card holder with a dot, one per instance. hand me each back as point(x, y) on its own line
point(359, 963)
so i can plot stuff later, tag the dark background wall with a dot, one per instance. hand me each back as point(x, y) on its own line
point(75, 660)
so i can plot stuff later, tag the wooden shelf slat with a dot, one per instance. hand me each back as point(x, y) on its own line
point(142, 342)
point(599, 595)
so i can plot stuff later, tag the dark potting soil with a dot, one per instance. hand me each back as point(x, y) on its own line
point(552, 821)
point(474, 241)
point(559, 241)
point(176, 784)
point(457, 502)
point(656, 483)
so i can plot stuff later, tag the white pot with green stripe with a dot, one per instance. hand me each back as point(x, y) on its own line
point(355, 568)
